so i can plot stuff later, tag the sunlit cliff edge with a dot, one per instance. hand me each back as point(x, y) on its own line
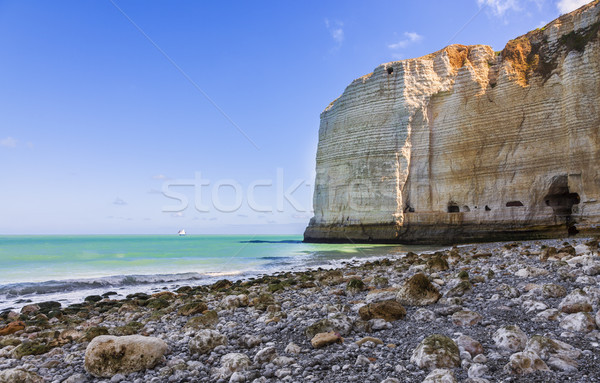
point(467, 144)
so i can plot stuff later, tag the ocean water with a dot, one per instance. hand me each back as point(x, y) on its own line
point(68, 268)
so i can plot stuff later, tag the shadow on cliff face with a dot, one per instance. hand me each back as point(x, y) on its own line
point(561, 200)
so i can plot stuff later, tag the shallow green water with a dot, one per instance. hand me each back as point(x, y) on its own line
point(38, 265)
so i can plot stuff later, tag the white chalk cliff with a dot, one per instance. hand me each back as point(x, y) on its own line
point(467, 144)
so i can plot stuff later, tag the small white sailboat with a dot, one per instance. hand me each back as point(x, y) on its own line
point(181, 232)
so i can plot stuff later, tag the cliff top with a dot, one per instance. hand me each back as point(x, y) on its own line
point(534, 53)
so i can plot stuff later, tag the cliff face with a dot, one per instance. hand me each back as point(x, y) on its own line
point(465, 144)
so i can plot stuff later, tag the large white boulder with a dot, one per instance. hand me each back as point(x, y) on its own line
point(580, 322)
point(440, 375)
point(525, 362)
point(107, 355)
point(436, 351)
point(232, 363)
point(205, 341)
point(510, 338)
point(14, 375)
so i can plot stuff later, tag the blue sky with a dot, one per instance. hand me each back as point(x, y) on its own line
point(97, 117)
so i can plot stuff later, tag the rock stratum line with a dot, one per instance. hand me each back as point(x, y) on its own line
point(467, 144)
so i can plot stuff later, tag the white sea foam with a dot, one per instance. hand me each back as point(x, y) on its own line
point(71, 291)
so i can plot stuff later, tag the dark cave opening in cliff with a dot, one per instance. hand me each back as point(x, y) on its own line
point(453, 208)
point(514, 204)
point(561, 200)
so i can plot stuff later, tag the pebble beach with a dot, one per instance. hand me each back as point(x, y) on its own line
point(499, 312)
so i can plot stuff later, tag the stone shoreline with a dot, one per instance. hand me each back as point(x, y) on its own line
point(497, 312)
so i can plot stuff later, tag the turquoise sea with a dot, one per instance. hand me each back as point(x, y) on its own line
point(68, 268)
